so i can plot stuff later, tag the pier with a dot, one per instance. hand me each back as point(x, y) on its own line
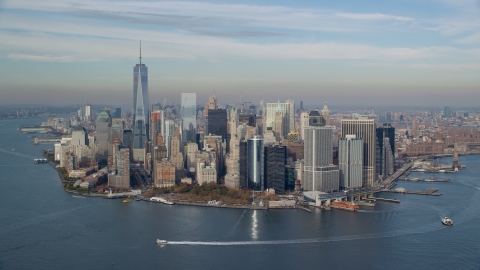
point(431, 179)
point(428, 191)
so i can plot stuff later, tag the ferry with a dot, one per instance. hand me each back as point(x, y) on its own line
point(447, 221)
point(162, 200)
point(161, 242)
point(127, 200)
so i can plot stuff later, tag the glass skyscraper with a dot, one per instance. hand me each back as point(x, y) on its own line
point(189, 117)
point(140, 105)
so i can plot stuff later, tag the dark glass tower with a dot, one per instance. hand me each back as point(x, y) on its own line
point(386, 131)
point(217, 122)
point(255, 162)
point(140, 104)
point(275, 157)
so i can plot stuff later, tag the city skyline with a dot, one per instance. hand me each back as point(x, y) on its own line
point(412, 53)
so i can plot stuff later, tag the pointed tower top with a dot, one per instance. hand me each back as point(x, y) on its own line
point(279, 109)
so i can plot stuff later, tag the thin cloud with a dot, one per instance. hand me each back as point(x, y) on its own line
point(374, 17)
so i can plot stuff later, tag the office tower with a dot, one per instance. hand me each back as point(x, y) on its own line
point(120, 178)
point(243, 163)
point(140, 109)
point(79, 136)
point(363, 128)
point(167, 136)
point(278, 126)
point(191, 149)
point(215, 143)
point(233, 156)
point(447, 113)
point(115, 132)
point(217, 122)
point(242, 131)
point(118, 113)
point(175, 155)
point(385, 156)
point(255, 163)
point(350, 161)
point(315, 119)
point(249, 119)
point(326, 114)
point(291, 115)
point(232, 122)
point(320, 174)
point(303, 123)
point(88, 113)
point(301, 105)
point(272, 109)
point(189, 117)
point(128, 138)
point(212, 102)
point(156, 125)
point(102, 134)
point(275, 159)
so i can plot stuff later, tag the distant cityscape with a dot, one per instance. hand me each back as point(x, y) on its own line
point(261, 147)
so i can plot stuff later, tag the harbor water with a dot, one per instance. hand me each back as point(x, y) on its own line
point(43, 227)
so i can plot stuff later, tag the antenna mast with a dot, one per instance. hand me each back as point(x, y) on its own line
point(140, 52)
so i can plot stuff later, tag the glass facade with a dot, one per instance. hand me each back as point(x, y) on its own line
point(140, 105)
point(189, 117)
point(255, 163)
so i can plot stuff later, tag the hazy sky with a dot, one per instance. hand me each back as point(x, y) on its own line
point(412, 52)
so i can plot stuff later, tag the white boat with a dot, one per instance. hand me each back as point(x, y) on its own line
point(168, 202)
point(161, 242)
point(447, 221)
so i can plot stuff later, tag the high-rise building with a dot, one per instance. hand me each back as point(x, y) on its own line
point(189, 117)
point(88, 113)
point(157, 125)
point(249, 119)
point(167, 136)
point(291, 115)
point(191, 149)
point(315, 119)
point(102, 134)
point(363, 128)
point(243, 163)
point(272, 109)
point(175, 155)
point(140, 108)
point(275, 159)
point(120, 178)
point(350, 161)
point(217, 122)
point(118, 113)
point(278, 126)
point(303, 123)
point(447, 113)
point(319, 172)
point(385, 157)
point(326, 114)
point(255, 162)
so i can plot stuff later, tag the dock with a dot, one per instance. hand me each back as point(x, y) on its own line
point(431, 180)
point(387, 200)
point(428, 191)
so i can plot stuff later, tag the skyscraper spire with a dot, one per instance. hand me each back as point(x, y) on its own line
point(140, 52)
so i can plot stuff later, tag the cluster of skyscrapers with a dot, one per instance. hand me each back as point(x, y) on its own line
point(260, 147)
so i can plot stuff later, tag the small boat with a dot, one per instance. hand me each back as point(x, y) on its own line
point(127, 200)
point(447, 221)
point(161, 242)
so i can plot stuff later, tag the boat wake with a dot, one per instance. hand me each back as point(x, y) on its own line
point(16, 153)
point(431, 228)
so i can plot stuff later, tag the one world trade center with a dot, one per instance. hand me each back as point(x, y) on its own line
point(140, 106)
